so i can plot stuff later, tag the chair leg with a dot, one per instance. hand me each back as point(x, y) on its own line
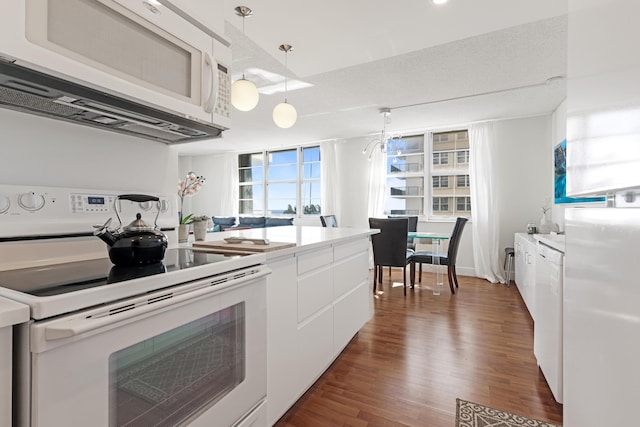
point(375, 278)
point(412, 274)
point(455, 275)
point(420, 273)
point(404, 277)
point(451, 279)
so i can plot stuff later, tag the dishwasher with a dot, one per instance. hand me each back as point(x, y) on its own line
point(547, 330)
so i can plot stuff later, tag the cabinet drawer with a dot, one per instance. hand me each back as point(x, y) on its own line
point(345, 250)
point(315, 290)
point(349, 273)
point(317, 259)
point(350, 313)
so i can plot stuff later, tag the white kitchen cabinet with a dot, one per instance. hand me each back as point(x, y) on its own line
point(525, 261)
point(317, 300)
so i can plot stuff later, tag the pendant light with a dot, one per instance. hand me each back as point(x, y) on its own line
point(285, 115)
point(244, 94)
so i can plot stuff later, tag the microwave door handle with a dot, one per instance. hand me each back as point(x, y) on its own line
point(210, 98)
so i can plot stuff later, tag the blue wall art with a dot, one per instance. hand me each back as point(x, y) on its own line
point(560, 177)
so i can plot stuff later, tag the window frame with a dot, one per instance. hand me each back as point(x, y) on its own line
point(299, 182)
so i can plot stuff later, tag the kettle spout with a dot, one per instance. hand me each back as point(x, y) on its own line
point(104, 234)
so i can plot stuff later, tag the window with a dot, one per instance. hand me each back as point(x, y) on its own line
point(405, 176)
point(462, 157)
point(440, 204)
point(442, 159)
point(282, 182)
point(462, 181)
point(440, 182)
point(463, 204)
point(251, 177)
point(450, 201)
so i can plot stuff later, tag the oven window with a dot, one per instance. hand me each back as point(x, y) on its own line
point(171, 377)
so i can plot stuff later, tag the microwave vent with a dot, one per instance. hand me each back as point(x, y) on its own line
point(22, 100)
point(27, 90)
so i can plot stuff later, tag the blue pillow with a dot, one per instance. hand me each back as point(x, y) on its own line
point(251, 221)
point(216, 228)
point(275, 222)
point(224, 221)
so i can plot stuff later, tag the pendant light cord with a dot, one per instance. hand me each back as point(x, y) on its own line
point(286, 71)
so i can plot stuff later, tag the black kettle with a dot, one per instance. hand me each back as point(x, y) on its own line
point(137, 243)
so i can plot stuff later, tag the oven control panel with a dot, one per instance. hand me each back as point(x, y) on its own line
point(92, 203)
point(32, 211)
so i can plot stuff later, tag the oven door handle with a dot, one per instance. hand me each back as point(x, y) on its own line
point(133, 309)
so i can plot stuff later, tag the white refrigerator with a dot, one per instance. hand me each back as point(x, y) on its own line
point(602, 317)
point(601, 333)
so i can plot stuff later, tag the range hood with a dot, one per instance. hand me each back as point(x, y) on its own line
point(33, 92)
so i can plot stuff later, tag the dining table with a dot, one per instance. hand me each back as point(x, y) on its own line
point(437, 240)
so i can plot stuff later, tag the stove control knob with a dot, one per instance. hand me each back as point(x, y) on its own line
point(31, 201)
point(5, 203)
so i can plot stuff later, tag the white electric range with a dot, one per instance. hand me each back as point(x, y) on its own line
point(107, 345)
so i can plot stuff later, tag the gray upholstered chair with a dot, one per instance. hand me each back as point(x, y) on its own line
point(424, 257)
point(329, 220)
point(390, 247)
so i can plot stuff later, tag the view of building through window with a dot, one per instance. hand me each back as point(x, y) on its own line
point(450, 164)
point(284, 182)
point(443, 162)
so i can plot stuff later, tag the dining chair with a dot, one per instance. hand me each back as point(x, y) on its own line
point(390, 247)
point(427, 257)
point(413, 226)
point(329, 221)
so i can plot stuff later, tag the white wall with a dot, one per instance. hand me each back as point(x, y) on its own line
point(207, 200)
point(45, 152)
point(524, 175)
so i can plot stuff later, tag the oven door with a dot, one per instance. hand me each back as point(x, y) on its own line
point(192, 354)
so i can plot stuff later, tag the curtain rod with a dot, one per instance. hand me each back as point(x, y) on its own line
point(547, 82)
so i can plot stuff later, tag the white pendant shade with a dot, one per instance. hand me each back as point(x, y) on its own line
point(244, 95)
point(285, 115)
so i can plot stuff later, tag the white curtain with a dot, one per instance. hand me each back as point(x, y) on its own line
point(328, 178)
point(229, 185)
point(377, 183)
point(377, 175)
point(484, 206)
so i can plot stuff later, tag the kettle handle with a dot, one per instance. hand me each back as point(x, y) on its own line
point(140, 198)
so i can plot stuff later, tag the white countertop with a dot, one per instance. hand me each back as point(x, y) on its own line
point(305, 237)
point(12, 313)
point(556, 241)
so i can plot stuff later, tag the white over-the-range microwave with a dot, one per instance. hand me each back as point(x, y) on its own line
point(138, 67)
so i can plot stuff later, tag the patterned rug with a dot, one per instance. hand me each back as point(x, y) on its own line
point(469, 414)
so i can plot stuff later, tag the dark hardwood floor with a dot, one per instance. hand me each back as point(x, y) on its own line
point(418, 353)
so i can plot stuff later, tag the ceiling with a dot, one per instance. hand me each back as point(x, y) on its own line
point(433, 66)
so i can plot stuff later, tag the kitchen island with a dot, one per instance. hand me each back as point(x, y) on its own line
point(318, 298)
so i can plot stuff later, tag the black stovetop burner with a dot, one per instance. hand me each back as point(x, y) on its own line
point(56, 279)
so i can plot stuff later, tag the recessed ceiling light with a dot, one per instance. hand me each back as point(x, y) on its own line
point(439, 1)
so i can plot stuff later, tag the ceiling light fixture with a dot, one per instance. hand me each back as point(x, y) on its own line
point(439, 1)
point(285, 115)
point(382, 141)
point(244, 94)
